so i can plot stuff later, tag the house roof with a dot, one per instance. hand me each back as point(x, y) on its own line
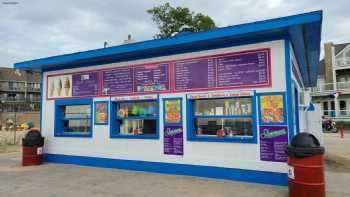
point(304, 31)
point(9, 74)
point(339, 47)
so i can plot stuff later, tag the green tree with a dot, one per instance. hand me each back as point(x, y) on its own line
point(174, 19)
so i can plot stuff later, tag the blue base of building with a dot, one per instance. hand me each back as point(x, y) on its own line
point(263, 177)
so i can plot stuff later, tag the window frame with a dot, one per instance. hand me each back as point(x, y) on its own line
point(191, 133)
point(114, 125)
point(58, 131)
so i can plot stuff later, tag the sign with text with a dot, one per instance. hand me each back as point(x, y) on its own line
point(245, 69)
point(240, 70)
point(273, 140)
point(85, 84)
point(173, 140)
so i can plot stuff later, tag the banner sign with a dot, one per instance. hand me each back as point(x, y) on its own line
point(136, 97)
point(219, 94)
point(216, 72)
point(273, 140)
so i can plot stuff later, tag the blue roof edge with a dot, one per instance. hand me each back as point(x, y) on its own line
point(258, 26)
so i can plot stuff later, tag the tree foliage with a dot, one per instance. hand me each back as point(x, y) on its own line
point(173, 19)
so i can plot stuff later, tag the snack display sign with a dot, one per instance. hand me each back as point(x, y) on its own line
point(172, 111)
point(101, 112)
point(271, 107)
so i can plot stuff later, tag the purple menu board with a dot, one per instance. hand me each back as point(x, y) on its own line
point(195, 74)
point(173, 140)
point(151, 78)
point(118, 80)
point(85, 84)
point(273, 140)
point(243, 69)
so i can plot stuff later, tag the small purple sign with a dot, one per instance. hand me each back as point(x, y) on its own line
point(273, 140)
point(118, 80)
point(173, 140)
point(151, 78)
point(243, 69)
point(85, 84)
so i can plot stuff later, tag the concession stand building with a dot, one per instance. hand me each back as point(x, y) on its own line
point(219, 104)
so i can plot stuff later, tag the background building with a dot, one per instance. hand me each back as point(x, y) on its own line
point(19, 90)
point(333, 83)
point(19, 96)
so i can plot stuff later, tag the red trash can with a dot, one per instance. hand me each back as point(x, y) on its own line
point(32, 156)
point(32, 148)
point(306, 167)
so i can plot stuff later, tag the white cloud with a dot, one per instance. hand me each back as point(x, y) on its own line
point(35, 29)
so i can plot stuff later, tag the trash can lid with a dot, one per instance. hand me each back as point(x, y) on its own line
point(304, 145)
point(305, 140)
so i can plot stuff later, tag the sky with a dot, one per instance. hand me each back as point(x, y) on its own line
point(31, 29)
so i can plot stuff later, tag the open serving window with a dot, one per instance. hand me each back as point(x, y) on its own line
point(222, 117)
point(135, 117)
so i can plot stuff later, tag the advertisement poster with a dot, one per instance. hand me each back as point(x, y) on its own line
point(173, 140)
point(101, 112)
point(273, 140)
point(272, 109)
point(59, 86)
point(172, 111)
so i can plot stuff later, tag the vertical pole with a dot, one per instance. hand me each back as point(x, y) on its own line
point(342, 132)
point(15, 128)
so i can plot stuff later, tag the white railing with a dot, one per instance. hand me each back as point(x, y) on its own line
point(344, 61)
point(336, 114)
point(331, 87)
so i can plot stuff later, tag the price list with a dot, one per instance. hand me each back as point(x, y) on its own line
point(118, 81)
point(195, 74)
point(242, 69)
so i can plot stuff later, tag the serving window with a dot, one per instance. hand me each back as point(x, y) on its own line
point(222, 118)
point(73, 118)
point(138, 119)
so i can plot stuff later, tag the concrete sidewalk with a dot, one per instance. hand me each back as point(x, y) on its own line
point(68, 180)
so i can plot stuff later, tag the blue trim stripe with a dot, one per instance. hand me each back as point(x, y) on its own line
point(273, 178)
point(288, 77)
point(41, 99)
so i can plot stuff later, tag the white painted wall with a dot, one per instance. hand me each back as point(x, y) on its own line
point(231, 155)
